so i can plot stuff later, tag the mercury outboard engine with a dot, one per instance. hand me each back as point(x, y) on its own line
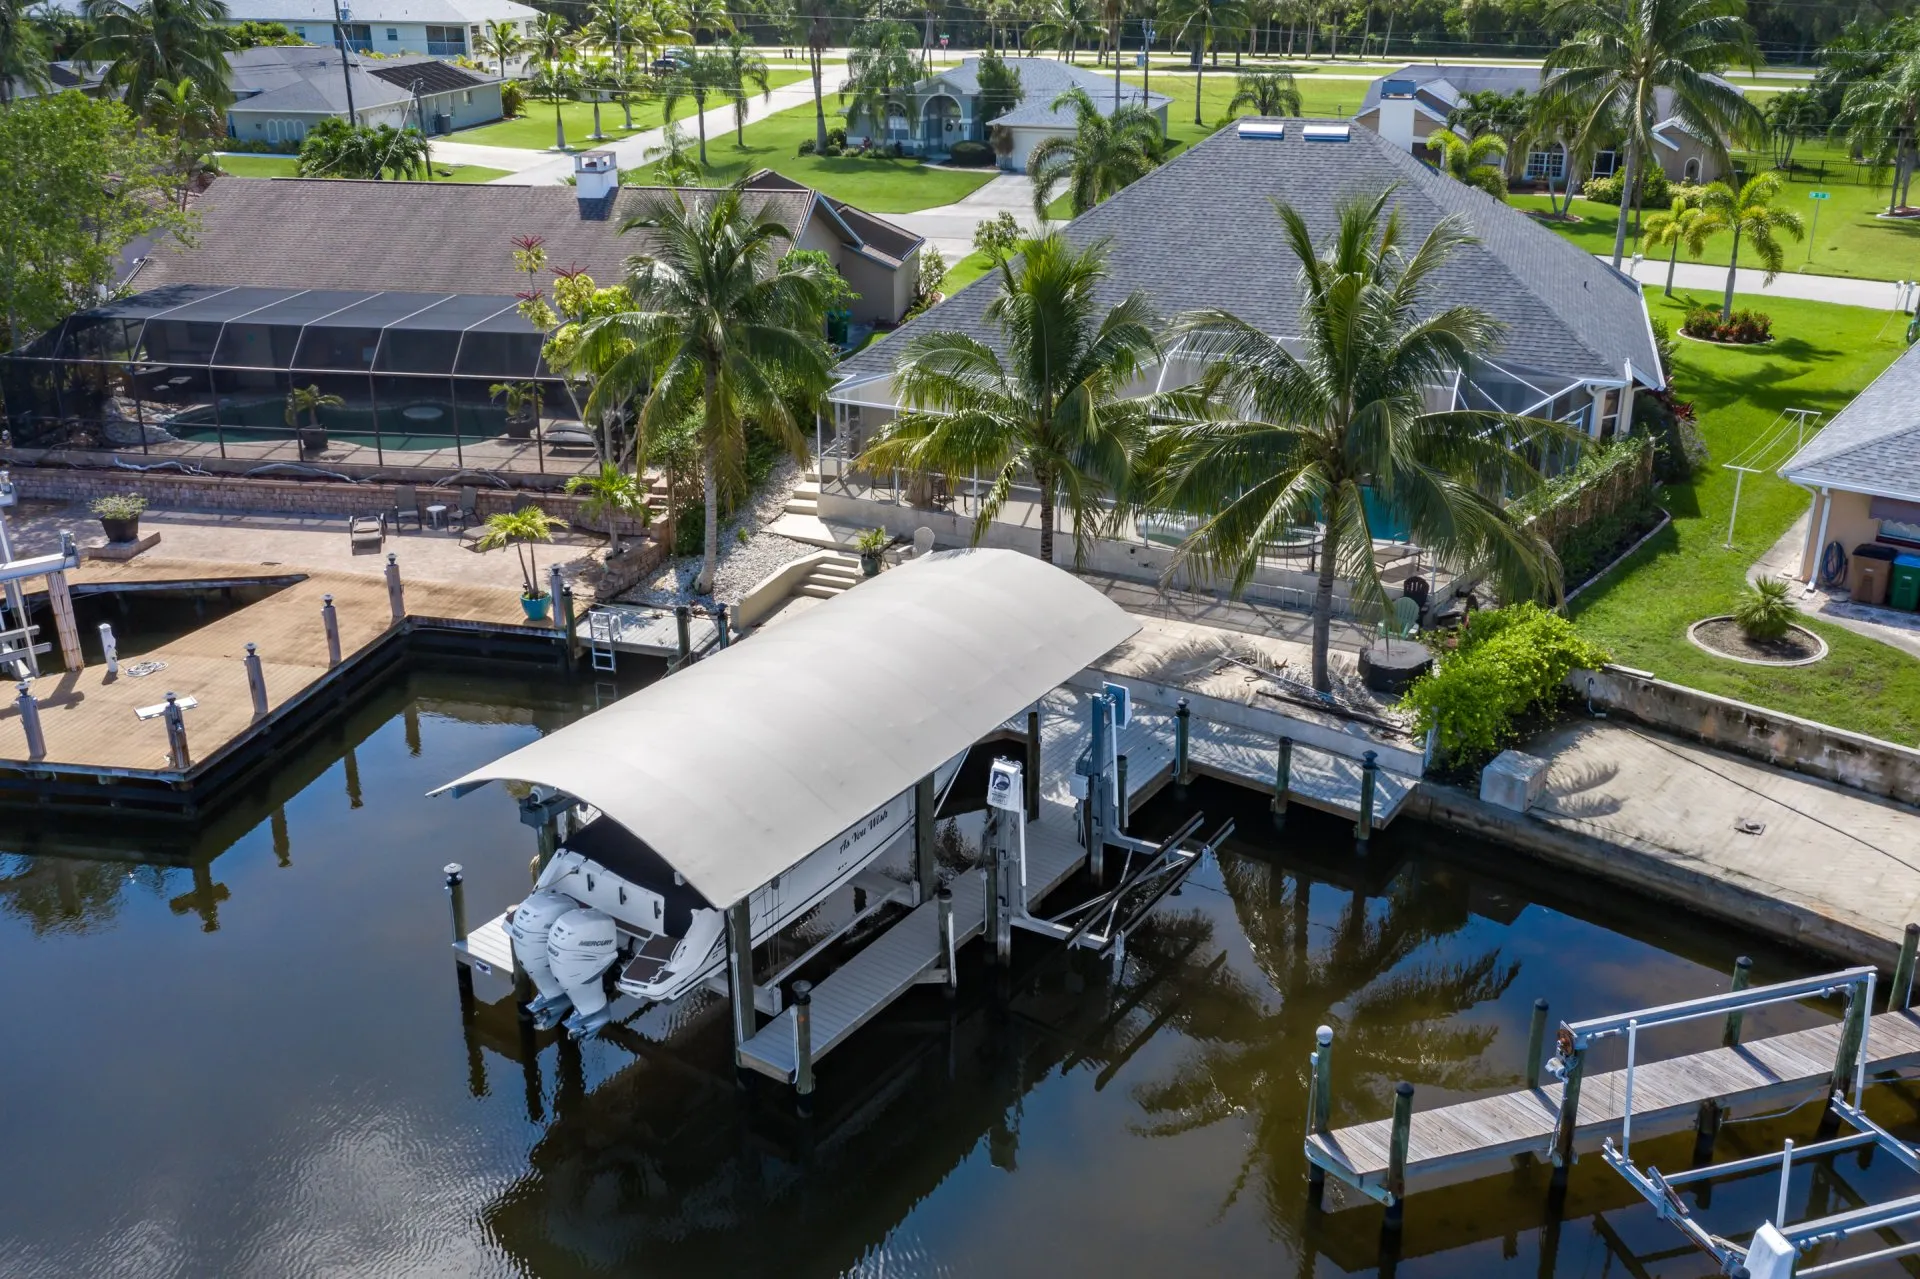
point(581, 945)
point(531, 922)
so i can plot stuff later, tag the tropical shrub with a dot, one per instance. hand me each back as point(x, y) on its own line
point(972, 155)
point(1655, 190)
point(118, 506)
point(1679, 451)
point(837, 137)
point(513, 100)
point(1764, 611)
point(1663, 346)
point(1743, 327)
point(806, 146)
point(1507, 663)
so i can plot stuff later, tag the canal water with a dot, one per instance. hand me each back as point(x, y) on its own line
point(242, 1053)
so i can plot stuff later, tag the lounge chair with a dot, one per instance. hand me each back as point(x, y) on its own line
point(406, 501)
point(367, 528)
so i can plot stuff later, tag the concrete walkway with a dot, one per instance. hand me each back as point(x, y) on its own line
point(950, 227)
point(1698, 278)
point(1889, 626)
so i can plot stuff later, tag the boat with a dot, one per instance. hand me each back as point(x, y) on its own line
point(607, 904)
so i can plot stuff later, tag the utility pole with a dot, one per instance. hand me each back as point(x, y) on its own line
point(340, 16)
point(420, 114)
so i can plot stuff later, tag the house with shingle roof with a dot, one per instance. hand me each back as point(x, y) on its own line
point(950, 107)
point(282, 91)
point(1863, 469)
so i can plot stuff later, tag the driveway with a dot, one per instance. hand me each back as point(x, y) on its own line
point(950, 226)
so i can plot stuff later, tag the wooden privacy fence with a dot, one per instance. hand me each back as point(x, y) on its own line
point(1622, 476)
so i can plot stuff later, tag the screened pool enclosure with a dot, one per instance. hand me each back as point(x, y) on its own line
point(420, 380)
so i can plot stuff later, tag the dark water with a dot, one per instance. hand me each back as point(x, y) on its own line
point(242, 1053)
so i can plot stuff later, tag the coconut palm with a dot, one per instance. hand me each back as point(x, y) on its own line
point(1284, 432)
point(147, 43)
point(1476, 162)
point(818, 34)
point(745, 71)
point(615, 25)
point(501, 41)
point(1104, 153)
point(521, 529)
point(1685, 223)
point(1749, 214)
point(1196, 22)
point(552, 44)
point(1882, 118)
point(1618, 53)
point(23, 51)
point(611, 493)
point(706, 76)
point(1062, 25)
point(1561, 123)
point(1270, 93)
point(1046, 405)
point(710, 16)
point(181, 113)
point(335, 149)
point(722, 327)
point(881, 65)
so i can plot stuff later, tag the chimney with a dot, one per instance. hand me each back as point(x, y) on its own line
point(1396, 112)
point(596, 178)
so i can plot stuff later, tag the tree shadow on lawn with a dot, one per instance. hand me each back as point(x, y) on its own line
point(1661, 545)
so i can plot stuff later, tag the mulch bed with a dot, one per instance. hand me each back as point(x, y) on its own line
point(1724, 636)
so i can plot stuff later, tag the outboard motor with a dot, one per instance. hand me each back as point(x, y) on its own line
point(581, 945)
point(531, 922)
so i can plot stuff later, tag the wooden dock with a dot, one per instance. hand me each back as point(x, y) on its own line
point(652, 632)
point(1476, 1138)
point(88, 716)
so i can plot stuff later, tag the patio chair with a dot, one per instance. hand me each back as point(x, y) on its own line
point(1404, 620)
point(406, 501)
point(367, 528)
point(469, 512)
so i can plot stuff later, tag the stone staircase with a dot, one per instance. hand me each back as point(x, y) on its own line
point(830, 577)
point(806, 495)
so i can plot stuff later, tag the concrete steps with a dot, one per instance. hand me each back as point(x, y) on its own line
point(830, 578)
point(805, 499)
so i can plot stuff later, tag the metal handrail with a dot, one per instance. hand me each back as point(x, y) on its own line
point(1585, 1032)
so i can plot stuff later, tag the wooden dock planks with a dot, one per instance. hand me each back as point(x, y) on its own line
point(1491, 1129)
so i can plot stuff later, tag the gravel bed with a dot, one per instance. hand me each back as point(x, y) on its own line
point(742, 564)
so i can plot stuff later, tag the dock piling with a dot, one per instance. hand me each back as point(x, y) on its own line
point(256, 681)
point(110, 650)
point(1900, 989)
point(176, 720)
point(1282, 782)
point(30, 721)
point(740, 974)
point(331, 621)
point(1369, 781)
point(556, 585)
point(682, 623)
point(926, 869)
point(1572, 1061)
point(396, 595)
point(570, 627)
point(719, 615)
point(1319, 1105)
point(1396, 1185)
point(1033, 766)
point(1182, 729)
point(1536, 1042)
point(803, 1045)
point(1852, 1033)
point(457, 898)
point(947, 947)
point(1742, 974)
point(1124, 815)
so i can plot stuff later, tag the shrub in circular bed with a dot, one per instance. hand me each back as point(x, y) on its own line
point(1742, 328)
point(970, 154)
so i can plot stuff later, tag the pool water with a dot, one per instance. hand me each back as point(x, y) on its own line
point(242, 1052)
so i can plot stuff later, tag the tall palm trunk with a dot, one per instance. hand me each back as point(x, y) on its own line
point(1116, 64)
point(1045, 481)
point(819, 103)
point(710, 483)
point(1386, 49)
point(700, 116)
point(1629, 184)
point(1323, 606)
point(1196, 89)
point(1733, 264)
point(559, 125)
point(1673, 264)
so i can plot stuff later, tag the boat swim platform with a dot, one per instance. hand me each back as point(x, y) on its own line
point(1474, 1139)
point(94, 739)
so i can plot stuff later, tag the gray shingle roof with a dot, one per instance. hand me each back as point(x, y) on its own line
point(1041, 81)
point(1450, 82)
point(1201, 230)
point(1873, 445)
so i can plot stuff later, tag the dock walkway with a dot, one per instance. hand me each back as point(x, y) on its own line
point(1474, 1138)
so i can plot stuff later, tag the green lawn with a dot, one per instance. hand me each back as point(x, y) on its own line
point(1849, 241)
point(285, 166)
point(534, 130)
point(964, 272)
point(873, 183)
point(1821, 357)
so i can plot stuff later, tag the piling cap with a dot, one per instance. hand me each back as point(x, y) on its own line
point(250, 647)
point(452, 869)
point(1403, 1089)
point(326, 601)
point(170, 699)
point(1324, 1035)
point(802, 991)
point(393, 557)
point(26, 689)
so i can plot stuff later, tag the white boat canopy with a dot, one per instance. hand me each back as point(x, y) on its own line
point(737, 768)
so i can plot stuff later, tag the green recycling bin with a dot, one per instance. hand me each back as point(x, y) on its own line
point(1906, 583)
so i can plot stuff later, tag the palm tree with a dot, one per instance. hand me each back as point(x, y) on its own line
point(614, 24)
point(1104, 154)
point(1061, 25)
point(552, 43)
point(148, 43)
point(1505, 115)
point(612, 493)
point(335, 149)
point(1270, 93)
point(1619, 52)
point(1476, 163)
point(672, 166)
point(1882, 118)
point(661, 22)
point(1048, 401)
point(745, 70)
point(501, 41)
point(598, 75)
point(1271, 438)
point(706, 15)
point(520, 529)
point(880, 65)
point(706, 76)
point(1792, 116)
point(1115, 13)
point(1749, 213)
point(818, 35)
point(723, 328)
point(1685, 223)
point(1560, 122)
point(181, 112)
point(1195, 21)
point(23, 52)
point(307, 401)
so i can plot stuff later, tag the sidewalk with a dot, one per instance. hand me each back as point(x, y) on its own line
point(1698, 278)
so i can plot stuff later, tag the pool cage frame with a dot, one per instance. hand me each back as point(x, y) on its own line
point(414, 369)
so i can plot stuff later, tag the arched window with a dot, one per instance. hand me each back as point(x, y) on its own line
point(896, 122)
point(1692, 172)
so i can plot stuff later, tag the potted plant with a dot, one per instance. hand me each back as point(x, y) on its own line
point(307, 401)
point(523, 406)
point(871, 544)
point(120, 515)
point(521, 529)
point(610, 495)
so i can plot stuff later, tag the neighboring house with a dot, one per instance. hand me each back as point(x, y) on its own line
point(436, 28)
point(1864, 470)
point(1408, 105)
point(64, 76)
point(282, 91)
point(444, 237)
point(937, 112)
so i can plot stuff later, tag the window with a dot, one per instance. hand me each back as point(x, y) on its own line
point(446, 42)
point(358, 35)
point(1896, 531)
point(393, 35)
point(466, 98)
point(1546, 166)
point(896, 122)
point(1692, 172)
point(300, 32)
point(1604, 163)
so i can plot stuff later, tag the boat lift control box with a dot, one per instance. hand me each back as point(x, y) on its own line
point(1003, 785)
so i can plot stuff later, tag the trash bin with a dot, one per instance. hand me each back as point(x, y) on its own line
point(1872, 572)
point(1905, 590)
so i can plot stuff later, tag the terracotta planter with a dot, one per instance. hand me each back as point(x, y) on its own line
point(127, 530)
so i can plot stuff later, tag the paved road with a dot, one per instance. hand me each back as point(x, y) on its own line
point(1712, 280)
